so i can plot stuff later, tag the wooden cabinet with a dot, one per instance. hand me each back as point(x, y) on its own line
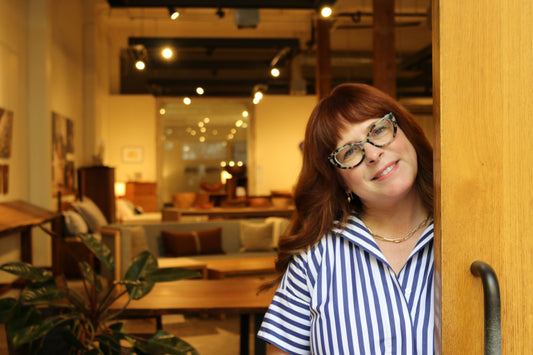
point(98, 184)
point(143, 194)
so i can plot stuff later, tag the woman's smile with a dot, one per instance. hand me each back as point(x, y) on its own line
point(384, 173)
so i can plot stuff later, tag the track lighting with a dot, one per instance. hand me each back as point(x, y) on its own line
point(274, 72)
point(173, 13)
point(167, 53)
point(326, 8)
point(220, 13)
point(140, 65)
point(258, 91)
point(139, 56)
point(326, 11)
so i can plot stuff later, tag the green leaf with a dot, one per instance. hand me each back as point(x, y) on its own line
point(109, 344)
point(7, 308)
point(142, 265)
point(71, 339)
point(41, 292)
point(171, 274)
point(165, 343)
point(99, 249)
point(26, 271)
point(89, 275)
point(30, 333)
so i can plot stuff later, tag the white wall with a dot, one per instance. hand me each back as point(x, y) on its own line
point(279, 129)
point(41, 70)
point(131, 122)
point(13, 86)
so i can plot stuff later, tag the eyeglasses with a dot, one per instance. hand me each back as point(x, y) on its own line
point(352, 154)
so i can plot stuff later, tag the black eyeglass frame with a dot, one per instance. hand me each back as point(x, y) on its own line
point(333, 156)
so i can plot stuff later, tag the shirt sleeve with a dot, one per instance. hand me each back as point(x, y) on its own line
point(287, 322)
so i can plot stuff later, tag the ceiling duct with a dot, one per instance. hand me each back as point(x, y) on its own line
point(246, 18)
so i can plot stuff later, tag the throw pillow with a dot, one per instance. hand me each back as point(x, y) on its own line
point(256, 236)
point(192, 243)
point(125, 209)
point(90, 213)
point(280, 225)
point(74, 223)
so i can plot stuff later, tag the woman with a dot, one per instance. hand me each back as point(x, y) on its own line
point(356, 268)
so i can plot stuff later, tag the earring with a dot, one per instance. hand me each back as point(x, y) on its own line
point(349, 197)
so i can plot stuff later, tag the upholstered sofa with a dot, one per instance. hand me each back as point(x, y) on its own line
point(231, 238)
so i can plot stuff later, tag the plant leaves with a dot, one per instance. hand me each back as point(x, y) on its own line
point(99, 249)
point(7, 308)
point(71, 339)
point(89, 275)
point(34, 331)
point(110, 344)
point(165, 343)
point(41, 292)
point(26, 271)
point(171, 274)
point(142, 265)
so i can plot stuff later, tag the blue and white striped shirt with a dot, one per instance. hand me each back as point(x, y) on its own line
point(342, 297)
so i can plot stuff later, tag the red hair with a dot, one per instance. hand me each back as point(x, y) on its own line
point(319, 196)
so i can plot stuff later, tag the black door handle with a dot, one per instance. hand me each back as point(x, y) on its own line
point(491, 297)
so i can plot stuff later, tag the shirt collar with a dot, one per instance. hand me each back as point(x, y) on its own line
point(356, 232)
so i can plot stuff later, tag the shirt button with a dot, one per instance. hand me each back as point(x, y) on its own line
point(407, 291)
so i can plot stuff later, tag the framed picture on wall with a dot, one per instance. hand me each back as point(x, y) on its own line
point(6, 133)
point(62, 155)
point(132, 154)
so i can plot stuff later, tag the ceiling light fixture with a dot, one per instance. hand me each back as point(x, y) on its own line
point(167, 53)
point(139, 64)
point(326, 8)
point(173, 13)
point(139, 55)
point(326, 11)
point(258, 91)
point(275, 62)
point(200, 90)
point(186, 101)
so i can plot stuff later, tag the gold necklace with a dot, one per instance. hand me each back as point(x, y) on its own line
point(402, 239)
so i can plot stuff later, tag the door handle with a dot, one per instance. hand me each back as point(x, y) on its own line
point(491, 298)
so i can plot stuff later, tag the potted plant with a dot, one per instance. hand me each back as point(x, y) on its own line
point(84, 321)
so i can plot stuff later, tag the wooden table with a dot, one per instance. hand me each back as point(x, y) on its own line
point(21, 217)
point(219, 269)
point(173, 214)
point(230, 296)
point(186, 263)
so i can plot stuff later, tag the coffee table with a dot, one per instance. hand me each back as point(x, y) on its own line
point(230, 296)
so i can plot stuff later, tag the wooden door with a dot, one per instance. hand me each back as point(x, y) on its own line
point(483, 94)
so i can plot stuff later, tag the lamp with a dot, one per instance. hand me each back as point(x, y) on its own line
point(120, 189)
point(173, 13)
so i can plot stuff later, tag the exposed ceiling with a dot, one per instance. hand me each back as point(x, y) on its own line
point(228, 47)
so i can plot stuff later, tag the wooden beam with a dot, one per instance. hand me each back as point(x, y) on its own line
point(323, 57)
point(384, 69)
